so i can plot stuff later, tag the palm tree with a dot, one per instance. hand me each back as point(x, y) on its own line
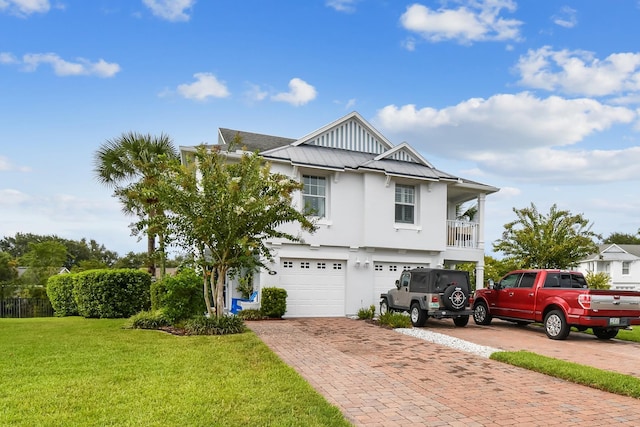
point(129, 164)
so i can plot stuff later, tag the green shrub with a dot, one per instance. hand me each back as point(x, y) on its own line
point(149, 320)
point(273, 303)
point(179, 296)
point(60, 293)
point(112, 293)
point(251, 314)
point(395, 320)
point(367, 313)
point(223, 325)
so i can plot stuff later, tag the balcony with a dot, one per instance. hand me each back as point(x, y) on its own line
point(462, 234)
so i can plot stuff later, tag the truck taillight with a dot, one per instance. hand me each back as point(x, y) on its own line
point(434, 298)
point(585, 301)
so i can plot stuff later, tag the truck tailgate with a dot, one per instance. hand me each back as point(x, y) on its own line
point(616, 302)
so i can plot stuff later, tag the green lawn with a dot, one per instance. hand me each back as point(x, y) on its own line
point(91, 372)
point(612, 382)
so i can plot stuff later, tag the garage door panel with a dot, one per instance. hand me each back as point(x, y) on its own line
point(314, 287)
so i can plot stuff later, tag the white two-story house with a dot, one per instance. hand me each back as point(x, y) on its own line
point(620, 262)
point(381, 208)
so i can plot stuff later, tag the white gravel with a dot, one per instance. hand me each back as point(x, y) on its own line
point(457, 343)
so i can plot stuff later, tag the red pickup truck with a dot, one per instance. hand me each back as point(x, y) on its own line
point(559, 300)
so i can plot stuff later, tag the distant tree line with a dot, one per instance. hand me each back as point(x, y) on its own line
point(27, 260)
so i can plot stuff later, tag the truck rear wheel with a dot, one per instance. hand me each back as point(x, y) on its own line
point(555, 325)
point(605, 333)
point(418, 315)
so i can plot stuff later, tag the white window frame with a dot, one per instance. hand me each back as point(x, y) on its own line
point(403, 202)
point(323, 197)
point(626, 266)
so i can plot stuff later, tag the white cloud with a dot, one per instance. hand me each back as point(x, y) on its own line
point(348, 6)
point(31, 61)
point(300, 93)
point(255, 93)
point(205, 86)
point(171, 10)
point(6, 166)
point(24, 8)
point(566, 17)
point(9, 197)
point(579, 72)
point(477, 21)
point(519, 136)
point(7, 58)
point(504, 121)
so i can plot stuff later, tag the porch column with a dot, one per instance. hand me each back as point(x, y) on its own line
point(480, 264)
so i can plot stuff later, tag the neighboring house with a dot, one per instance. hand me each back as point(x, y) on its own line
point(620, 262)
point(381, 209)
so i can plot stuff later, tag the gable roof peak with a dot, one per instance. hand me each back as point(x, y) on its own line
point(351, 132)
point(406, 153)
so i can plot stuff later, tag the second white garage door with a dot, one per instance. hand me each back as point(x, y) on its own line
point(315, 288)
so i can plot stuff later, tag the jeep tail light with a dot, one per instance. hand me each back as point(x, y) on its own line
point(434, 298)
point(585, 301)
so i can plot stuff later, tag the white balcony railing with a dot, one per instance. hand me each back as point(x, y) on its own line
point(462, 234)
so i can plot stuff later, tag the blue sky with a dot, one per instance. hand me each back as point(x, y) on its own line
point(540, 99)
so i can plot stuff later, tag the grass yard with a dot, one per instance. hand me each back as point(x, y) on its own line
point(73, 371)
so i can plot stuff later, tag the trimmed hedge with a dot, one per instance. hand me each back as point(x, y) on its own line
point(60, 293)
point(112, 293)
point(273, 303)
point(179, 297)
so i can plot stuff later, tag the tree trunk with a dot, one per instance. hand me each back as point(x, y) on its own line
point(207, 300)
point(151, 249)
point(219, 294)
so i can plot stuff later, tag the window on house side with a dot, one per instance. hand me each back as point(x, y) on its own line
point(405, 203)
point(625, 267)
point(314, 195)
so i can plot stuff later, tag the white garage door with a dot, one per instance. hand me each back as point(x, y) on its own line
point(315, 288)
point(385, 275)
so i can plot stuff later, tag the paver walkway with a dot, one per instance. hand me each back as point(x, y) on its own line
point(379, 377)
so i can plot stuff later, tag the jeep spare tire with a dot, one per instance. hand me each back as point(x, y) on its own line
point(454, 298)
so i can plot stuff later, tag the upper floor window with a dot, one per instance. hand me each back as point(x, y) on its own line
point(625, 267)
point(405, 203)
point(314, 195)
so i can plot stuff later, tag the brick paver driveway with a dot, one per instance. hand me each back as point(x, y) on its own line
point(379, 377)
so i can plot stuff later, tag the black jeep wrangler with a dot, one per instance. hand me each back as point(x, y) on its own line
point(430, 292)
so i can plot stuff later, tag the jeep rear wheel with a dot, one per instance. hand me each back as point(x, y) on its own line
point(384, 307)
point(461, 321)
point(555, 325)
point(418, 315)
point(454, 298)
point(481, 314)
point(605, 333)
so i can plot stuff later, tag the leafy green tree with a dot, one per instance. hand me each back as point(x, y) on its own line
point(600, 280)
point(129, 164)
point(558, 239)
point(8, 275)
point(43, 260)
point(493, 268)
point(623, 238)
point(224, 213)
point(77, 251)
point(132, 260)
